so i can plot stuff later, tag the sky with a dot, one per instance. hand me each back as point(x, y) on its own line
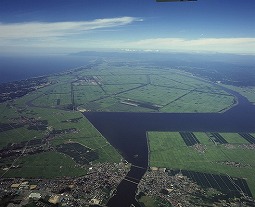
point(64, 26)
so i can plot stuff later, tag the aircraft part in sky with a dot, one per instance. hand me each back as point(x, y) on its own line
point(173, 0)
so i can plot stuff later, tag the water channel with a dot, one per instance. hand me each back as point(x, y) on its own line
point(127, 133)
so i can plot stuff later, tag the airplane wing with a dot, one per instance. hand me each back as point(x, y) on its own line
point(173, 0)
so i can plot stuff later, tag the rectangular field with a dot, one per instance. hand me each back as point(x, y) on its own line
point(234, 158)
point(62, 128)
point(199, 102)
point(108, 83)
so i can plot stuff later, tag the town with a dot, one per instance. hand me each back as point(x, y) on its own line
point(96, 187)
point(179, 190)
point(9, 91)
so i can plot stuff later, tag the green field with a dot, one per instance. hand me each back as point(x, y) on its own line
point(248, 92)
point(146, 201)
point(107, 84)
point(46, 165)
point(167, 149)
point(50, 163)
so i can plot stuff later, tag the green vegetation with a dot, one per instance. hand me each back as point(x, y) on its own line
point(46, 114)
point(107, 85)
point(234, 138)
point(18, 135)
point(147, 201)
point(49, 164)
point(46, 165)
point(200, 102)
point(248, 92)
point(154, 94)
point(236, 159)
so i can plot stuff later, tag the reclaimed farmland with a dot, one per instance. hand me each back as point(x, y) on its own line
point(216, 137)
point(189, 138)
point(248, 137)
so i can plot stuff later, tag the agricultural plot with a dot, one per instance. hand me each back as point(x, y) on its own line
point(154, 94)
point(119, 88)
point(234, 138)
point(45, 165)
point(248, 137)
point(105, 85)
point(147, 201)
point(123, 79)
point(62, 128)
point(233, 159)
point(54, 95)
point(170, 81)
point(217, 138)
point(85, 94)
point(112, 104)
point(200, 102)
point(62, 88)
point(18, 135)
point(79, 153)
point(53, 100)
point(105, 104)
point(7, 112)
point(248, 92)
point(232, 187)
point(189, 138)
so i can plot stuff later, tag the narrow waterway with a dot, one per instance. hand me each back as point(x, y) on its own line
point(127, 133)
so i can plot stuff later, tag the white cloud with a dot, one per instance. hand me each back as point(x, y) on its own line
point(58, 29)
point(170, 42)
point(60, 35)
point(225, 45)
point(236, 45)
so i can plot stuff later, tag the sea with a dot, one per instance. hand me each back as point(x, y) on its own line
point(14, 68)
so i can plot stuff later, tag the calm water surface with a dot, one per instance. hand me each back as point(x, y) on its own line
point(127, 133)
point(14, 68)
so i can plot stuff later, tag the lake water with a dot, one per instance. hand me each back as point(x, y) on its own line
point(127, 133)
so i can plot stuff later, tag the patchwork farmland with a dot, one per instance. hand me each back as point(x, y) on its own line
point(130, 88)
point(207, 157)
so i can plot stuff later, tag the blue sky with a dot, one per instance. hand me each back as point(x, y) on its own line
point(56, 26)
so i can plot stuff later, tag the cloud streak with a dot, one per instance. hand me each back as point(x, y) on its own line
point(237, 45)
point(224, 45)
point(170, 42)
point(76, 35)
point(59, 29)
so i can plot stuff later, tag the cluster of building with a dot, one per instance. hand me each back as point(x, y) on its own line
point(235, 164)
point(200, 148)
point(100, 182)
point(179, 190)
point(240, 146)
point(9, 91)
point(87, 80)
point(248, 146)
point(175, 189)
point(96, 187)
